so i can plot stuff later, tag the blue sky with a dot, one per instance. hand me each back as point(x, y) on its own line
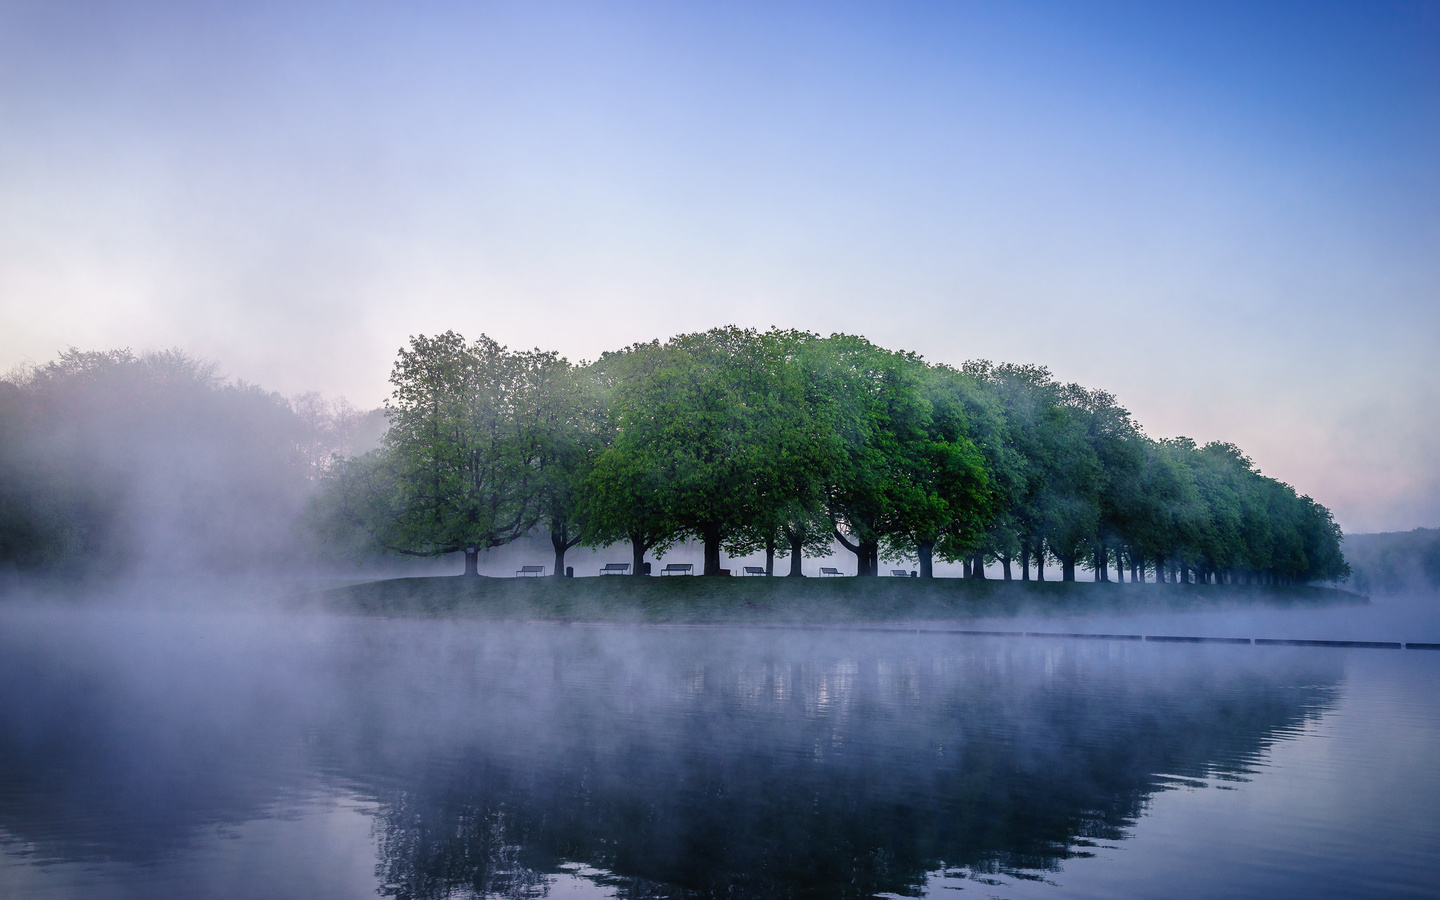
point(1226, 214)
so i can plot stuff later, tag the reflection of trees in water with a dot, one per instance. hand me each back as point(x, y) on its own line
point(680, 763)
point(418, 862)
point(747, 774)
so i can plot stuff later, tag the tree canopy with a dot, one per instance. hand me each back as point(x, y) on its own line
point(741, 439)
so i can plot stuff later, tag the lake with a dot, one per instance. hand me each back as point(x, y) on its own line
point(185, 754)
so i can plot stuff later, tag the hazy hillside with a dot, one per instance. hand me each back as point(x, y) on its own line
point(1394, 562)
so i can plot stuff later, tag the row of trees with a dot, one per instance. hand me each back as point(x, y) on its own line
point(787, 441)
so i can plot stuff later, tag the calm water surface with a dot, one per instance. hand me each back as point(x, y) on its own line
point(172, 755)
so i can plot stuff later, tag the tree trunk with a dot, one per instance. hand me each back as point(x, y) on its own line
point(866, 554)
point(977, 570)
point(1184, 574)
point(1067, 567)
point(638, 546)
point(561, 541)
point(926, 551)
point(710, 533)
point(1137, 566)
point(1024, 563)
point(797, 546)
point(1040, 563)
point(770, 555)
point(965, 568)
point(472, 560)
point(1005, 566)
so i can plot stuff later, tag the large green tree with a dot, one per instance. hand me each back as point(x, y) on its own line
point(561, 426)
point(947, 494)
point(623, 495)
point(788, 509)
point(880, 489)
point(463, 463)
point(705, 427)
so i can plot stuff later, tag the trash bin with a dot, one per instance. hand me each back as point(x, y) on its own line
point(569, 571)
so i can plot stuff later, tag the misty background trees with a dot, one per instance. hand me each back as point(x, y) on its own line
point(1395, 562)
point(122, 464)
point(781, 442)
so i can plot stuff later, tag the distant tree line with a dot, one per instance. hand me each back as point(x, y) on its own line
point(786, 442)
point(1395, 562)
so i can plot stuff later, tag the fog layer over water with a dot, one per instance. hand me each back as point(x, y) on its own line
point(167, 754)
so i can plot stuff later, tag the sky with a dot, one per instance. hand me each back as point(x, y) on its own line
point(1226, 214)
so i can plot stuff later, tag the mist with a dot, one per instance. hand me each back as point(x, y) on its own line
point(197, 699)
point(1406, 562)
point(719, 452)
point(154, 465)
point(495, 760)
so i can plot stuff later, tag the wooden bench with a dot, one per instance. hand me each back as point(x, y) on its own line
point(614, 568)
point(827, 571)
point(529, 571)
point(678, 568)
point(899, 573)
point(754, 570)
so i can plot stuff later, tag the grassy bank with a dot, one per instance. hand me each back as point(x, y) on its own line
point(777, 600)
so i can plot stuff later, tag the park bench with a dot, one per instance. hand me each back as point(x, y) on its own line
point(678, 568)
point(899, 573)
point(614, 568)
point(826, 570)
point(529, 571)
point(754, 570)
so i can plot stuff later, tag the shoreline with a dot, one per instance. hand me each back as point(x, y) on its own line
point(701, 600)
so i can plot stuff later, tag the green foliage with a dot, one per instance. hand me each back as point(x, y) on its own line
point(712, 438)
point(779, 440)
point(785, 440)
point(483, 445)
point(882, 486)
